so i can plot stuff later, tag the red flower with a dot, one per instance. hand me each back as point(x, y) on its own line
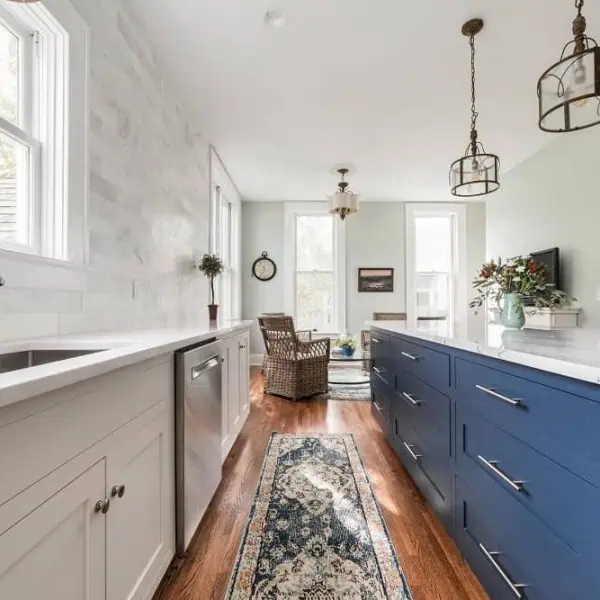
point(533, 266)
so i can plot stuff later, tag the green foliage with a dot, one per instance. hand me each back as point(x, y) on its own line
point(346, 341)
point(211, 265)
point(521, 275)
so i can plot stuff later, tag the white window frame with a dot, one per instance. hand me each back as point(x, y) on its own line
point(458, 309)
point(224, 196)
point(292, 211)
point(59, 124)
point(23, 133)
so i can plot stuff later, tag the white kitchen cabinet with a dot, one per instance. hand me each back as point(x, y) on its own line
point(140, 520)
point(235, 388)
point(57, 551)
point(64, 534)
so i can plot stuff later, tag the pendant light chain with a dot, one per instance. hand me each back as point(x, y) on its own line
point(474, 113)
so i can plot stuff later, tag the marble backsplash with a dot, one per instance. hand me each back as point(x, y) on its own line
point(148, 207)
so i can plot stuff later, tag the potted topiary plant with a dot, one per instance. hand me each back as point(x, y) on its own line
point(211, 265)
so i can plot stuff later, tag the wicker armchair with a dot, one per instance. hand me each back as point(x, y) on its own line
point(304, 335)
point(295, 369)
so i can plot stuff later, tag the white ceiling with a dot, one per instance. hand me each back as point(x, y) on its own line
point(381, 84)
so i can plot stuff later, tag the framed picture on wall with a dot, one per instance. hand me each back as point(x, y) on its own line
point(376, 280)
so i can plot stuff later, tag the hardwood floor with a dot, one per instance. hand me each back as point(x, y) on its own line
point(431, 561)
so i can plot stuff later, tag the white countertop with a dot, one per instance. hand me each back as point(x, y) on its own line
point(120, 349)
point(573, 353)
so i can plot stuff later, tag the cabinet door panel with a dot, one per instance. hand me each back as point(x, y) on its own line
point(226, 432)
point(244, 376)
point(57, 552)
point(234, 388)
point(139, 535)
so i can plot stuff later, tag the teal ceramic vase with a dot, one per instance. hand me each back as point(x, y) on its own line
point(512, 314)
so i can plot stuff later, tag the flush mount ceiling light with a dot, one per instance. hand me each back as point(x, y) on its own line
point(477, 172)
point(569, 91)
point(343, 202)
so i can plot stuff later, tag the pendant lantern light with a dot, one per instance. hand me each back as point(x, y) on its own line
point(343, 202)
point(569, 91)
point(477, 172)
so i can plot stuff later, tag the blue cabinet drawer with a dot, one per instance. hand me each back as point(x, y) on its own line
point(559, 498)
point(381, 358)
point(508, 547)
point(381, 406)
point(430, 472)
point(427, 412)
point(429, 365)
point(561, 425)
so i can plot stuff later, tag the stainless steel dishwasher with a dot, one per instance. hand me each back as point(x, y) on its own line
point(197, 435)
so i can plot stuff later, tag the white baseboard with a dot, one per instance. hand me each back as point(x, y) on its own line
point(256, 360)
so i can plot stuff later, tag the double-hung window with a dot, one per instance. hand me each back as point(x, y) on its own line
point(43, 130)
point(315, 268)
point(435, 268)
point(225, 236)
point(227, 247)
point(20, 171)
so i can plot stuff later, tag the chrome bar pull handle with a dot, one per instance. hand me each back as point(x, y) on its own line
point(495, 394)
point(378, 370)
point(375, 340)
point(409, 356)
point(515, 588)
point(409, 448)
point(411, 399)
point(491, 465)
point(198, 370)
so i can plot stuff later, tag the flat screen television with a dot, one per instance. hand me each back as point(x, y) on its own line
point(550, 259)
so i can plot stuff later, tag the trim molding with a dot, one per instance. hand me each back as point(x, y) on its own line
point(256, 360)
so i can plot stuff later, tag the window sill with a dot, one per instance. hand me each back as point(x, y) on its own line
point(32, 258)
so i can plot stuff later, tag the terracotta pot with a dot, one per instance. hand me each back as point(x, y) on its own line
point(213, 311)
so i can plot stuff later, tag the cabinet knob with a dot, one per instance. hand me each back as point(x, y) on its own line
point(102, 506)
point(118, 490)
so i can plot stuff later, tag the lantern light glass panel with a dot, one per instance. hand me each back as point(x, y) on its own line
point(475, 175)
point(569, 93)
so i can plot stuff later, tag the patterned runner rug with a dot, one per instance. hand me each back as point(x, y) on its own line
point(315, 531)
point(361, 393)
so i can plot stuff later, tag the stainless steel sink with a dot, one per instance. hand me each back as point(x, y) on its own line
point(15, 361)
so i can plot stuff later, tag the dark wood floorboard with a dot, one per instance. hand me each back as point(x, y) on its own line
point(429, 557)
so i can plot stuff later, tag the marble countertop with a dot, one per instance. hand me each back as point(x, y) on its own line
point(572, 353)
point(119, 349)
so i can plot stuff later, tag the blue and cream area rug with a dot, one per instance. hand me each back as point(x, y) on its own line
point(315, 531)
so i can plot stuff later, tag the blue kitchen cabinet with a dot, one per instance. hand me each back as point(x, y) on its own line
point(509, 458)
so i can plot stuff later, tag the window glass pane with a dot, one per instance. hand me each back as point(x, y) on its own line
point(314, 243)
point(433, 243)
point(14, 191)
point(9, 75)
point(314, 301)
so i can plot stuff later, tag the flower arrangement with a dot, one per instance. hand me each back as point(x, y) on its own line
point(211, 265)
point(346, 344)
point(519, 275)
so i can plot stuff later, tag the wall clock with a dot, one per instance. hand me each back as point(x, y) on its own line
point(264, 269)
